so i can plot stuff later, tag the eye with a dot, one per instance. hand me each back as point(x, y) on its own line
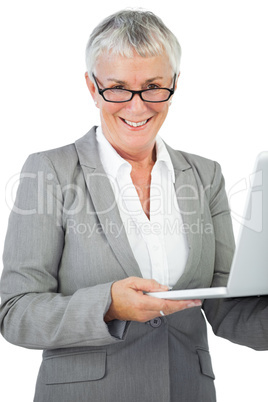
point(153, 86)
point(117, 87)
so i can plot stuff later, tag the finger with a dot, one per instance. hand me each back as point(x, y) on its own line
point(172, 306)
point(166, 310)
point(154, 305)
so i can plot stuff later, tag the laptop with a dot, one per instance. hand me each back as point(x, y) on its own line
point(249, 270)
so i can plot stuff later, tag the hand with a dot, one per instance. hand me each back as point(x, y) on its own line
point(129, 303)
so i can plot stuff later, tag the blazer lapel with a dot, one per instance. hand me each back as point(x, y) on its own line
point(102, 196)
point(189, 201)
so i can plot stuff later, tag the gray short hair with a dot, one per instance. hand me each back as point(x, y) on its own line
point(129, 30)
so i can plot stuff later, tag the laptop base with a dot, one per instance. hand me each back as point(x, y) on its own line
point(191, 294)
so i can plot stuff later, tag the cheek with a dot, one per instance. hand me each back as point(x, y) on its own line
point(110, 110)
point(161, 110)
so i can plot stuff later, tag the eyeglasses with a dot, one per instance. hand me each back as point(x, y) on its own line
point(118, 95)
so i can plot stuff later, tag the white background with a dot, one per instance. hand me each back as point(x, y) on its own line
point(219, 111)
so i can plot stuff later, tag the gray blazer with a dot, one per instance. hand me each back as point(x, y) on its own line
point(65, 246)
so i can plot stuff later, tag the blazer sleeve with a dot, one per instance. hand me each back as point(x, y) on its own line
point(33, 313)
point(241, 320)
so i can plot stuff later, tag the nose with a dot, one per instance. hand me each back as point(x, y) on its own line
point(136, 104)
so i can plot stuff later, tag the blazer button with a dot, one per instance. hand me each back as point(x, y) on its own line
point(156, 322)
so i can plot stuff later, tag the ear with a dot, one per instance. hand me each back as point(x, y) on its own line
point(91, 87)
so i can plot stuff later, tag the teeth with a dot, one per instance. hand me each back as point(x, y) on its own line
point(132, 124)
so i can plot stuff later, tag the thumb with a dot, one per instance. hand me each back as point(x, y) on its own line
point(149, 285)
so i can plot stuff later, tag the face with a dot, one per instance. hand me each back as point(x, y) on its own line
point(117, 119)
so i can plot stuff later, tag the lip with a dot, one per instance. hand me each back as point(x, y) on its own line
point(136, 128)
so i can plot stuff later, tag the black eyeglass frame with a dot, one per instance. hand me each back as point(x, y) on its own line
point(101, 92)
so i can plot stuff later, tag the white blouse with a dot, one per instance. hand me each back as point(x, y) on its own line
point(159, 244)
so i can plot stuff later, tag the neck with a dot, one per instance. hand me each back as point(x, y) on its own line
point(141, 159)
point(141, 155)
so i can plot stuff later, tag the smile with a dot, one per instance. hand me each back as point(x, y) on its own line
point(133, 124)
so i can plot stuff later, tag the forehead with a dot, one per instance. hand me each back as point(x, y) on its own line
point(132, 69)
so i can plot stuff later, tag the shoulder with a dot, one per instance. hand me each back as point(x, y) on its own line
point(206, 171)
point(207, 176)
point(64, 157)
point(64, 160)
point(59, 162)
point(197, 161)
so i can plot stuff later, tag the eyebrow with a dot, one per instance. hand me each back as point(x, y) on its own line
point(124, 82)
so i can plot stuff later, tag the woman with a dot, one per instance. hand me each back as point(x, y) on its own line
point(99, 223)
